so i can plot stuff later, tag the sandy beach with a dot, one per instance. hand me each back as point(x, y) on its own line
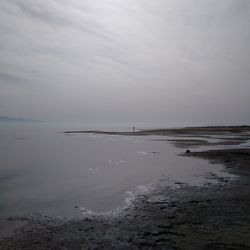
point(180, 216)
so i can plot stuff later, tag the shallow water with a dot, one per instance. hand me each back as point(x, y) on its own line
point(44, 170)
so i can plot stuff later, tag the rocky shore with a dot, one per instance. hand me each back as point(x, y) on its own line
point(169, 217)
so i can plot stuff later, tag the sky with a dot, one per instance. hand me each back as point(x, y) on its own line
point(173, 61)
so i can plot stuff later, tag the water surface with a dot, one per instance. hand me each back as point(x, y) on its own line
point(44, 170)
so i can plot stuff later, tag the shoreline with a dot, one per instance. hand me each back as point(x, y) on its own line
point(213, 216)
point(171, 131)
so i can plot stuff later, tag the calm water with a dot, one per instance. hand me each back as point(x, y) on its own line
point(44, 170)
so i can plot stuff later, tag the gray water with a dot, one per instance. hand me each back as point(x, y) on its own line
point(46, 171)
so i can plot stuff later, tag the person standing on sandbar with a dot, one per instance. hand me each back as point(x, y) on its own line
point(133, 129)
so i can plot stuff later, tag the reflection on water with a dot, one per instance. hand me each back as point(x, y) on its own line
point(42, 169)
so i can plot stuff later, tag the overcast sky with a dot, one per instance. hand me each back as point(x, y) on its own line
point(176, 61)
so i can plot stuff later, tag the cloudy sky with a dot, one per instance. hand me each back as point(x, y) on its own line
point(176, 61)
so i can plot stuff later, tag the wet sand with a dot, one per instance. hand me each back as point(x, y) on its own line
point(212, 216)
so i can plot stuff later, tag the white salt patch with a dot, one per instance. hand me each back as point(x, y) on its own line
point(93, 169)
point(140, 190)
point(146, 153)
point(142, 153)
point(116, 162)
point(84, 210)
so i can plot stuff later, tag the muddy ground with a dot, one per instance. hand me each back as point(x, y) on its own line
point(168, 217)
point(188, 131)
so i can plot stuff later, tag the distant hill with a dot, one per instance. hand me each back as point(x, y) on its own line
point(15, 119)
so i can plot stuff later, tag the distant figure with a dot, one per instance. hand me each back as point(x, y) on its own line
point(188, 151)
point(133, 129)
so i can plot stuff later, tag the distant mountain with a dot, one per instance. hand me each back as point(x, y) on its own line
point(15, 119)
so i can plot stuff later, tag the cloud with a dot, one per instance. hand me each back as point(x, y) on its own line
point(6, 78)
point(125, 59)
point(62, 14)
point(40, 12)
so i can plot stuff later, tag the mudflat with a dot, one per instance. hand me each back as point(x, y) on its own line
point(192, 131)
point(212, 216)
